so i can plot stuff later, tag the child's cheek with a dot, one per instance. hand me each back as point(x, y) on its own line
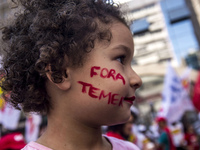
point(106, 73)
point(112, 97)
point(100, 94)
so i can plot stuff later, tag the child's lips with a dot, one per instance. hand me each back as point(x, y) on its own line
point(129, 99)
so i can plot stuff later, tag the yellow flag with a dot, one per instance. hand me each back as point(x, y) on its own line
point(2, 102)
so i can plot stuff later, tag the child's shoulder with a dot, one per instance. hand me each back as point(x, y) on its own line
point(35, 146)
point(118, 144)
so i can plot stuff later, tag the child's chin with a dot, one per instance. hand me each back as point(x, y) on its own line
point(119, 121)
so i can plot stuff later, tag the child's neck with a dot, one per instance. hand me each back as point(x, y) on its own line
point(73, 135)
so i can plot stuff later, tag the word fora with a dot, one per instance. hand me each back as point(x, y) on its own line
point(92, 92)
point(105, 73)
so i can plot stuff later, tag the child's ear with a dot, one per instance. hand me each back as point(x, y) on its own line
point(66, 79)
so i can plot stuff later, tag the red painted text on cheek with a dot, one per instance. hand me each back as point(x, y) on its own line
point(92, 89)
point(92, 72)
point(106, 73)
point(94, 92)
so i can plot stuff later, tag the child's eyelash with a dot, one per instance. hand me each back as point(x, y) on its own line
point(121, 59)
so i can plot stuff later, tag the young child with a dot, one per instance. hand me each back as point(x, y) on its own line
point(71, 60)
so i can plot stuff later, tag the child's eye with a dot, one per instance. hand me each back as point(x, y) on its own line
point(121, 59)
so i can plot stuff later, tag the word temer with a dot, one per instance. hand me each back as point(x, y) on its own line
point(92, 92)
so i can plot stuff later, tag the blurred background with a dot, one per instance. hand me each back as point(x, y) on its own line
point(166, 35)
point(164, 31)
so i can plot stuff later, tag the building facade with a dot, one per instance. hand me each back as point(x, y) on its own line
point(152, 43)
point(164, 30)
point(178, 19)
point(194, 7)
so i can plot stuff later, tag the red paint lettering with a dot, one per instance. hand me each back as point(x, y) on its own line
point(102, 75)
point(112, 74)
point(106, 73)
point(104, 96)
point(113, 99)
point(92, 73)
point(92, 91)
point(121, 101)
point(119, 76)
point(84, 86)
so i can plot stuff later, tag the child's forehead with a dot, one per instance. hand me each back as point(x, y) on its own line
point(121, 32)
point(121, 38)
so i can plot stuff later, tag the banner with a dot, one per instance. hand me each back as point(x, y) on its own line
point(185, 79)
point(2, 109)
point(32, 127)
point(10, 117)
point(175, 97)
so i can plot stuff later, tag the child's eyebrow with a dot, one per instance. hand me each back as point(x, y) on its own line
point(124, 48)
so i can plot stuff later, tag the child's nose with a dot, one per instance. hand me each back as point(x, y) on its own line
point(135, 80)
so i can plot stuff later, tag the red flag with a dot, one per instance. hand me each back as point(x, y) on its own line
point(196, 96)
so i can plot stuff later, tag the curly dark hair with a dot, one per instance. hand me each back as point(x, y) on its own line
point(44, 34)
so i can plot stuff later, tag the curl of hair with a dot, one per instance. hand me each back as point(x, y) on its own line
point(43, 34)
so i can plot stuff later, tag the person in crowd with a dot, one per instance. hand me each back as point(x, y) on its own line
point(122, 131)
point(141, 138)
point(177, 133)
point(71, 60)
point(144, 142)
point(191, 139)
point(164, 141)
point(135, 113)
point(153, 131)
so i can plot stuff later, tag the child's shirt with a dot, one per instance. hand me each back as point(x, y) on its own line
point(116, 144)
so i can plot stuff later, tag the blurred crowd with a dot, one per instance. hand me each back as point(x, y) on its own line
point(158, 136)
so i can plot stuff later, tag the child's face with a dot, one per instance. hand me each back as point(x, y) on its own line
point(100, 87)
